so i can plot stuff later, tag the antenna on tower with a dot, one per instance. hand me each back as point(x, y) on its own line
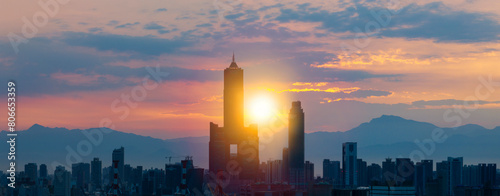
point(233, 56)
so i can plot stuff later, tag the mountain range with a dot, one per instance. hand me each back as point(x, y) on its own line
point(386, 136)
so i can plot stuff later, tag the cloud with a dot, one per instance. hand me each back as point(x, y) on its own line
point(450, 102)
point(430, 21)
point(127, 25)
point(161, 10)
point(336, 93)
point(204, 25)
point(147, 45)
point(155, 26)
point(95, 29)
point(46, 67)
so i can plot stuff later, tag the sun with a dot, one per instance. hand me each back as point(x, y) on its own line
point(261, 108)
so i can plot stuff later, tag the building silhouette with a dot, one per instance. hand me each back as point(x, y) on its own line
point(405, 171)
point(31, 172)
point(43, 171)
point(61, 182)
point(332, 172)
point(362, 173)
point(285, 168)
point(274, 171)
point(119, 156)
point(234, 143)
point(373, 173)
point(449, 175)
point(423, 175)
point(296, 145)
point(81, 174)
point(96, 173)
point(309, 172)
point(350, 164)
point(388, 171)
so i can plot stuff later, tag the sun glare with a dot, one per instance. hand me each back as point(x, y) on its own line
point(262, 108)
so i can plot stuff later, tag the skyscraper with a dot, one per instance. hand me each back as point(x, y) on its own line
point(349, 164)
point(61, 182)
point(373, 173)
point(285, 166)
point(405, 171)
point(309, 172)
point(119, 155)
point(31, 171)
point(327, 170)
point(362, 174)
point(488, 173)
point(332, 172)
point(388, 171)
point(296, 145)
point(273, 171)
point(81, 174)
point(43, 171)
point(423, 174)
point(450, 174)
point(455, 174)
point(96, 173)
point(234, 143)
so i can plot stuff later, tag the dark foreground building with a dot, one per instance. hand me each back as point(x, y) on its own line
point(234, 145)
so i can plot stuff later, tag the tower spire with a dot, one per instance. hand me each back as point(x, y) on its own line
point(233, 64)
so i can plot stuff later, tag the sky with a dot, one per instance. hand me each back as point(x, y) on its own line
point(75, 62)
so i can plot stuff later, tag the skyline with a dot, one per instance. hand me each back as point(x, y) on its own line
point(273, 146)
point(290, 51)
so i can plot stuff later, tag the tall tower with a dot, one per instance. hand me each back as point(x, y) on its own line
point(233, 96)
point(43, 171)
point(96, 173)
point(119, 156)
point(296, 145)
point(234, 143)
point(31, 171)
point(349, 164)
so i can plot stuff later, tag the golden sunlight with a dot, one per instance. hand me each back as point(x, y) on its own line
point(261, 108)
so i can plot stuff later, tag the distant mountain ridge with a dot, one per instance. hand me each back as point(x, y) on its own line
point(386, 136)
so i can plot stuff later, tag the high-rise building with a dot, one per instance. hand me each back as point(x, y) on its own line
point(234, 142)
point(195, 179)
point(479, 175)
point(137, 178)
point(488, 174)
point(309, 172)
point(173, 174)
point(362, 174)
point(285, 166)
point(423, 175)
point(274, 171)
point(389, 172)
point(296, 144)
point(456, 166)
point(373, 173)
point(127, 173)
point(119, 155)
point(471, 175)
point(450, 175)
point(43, 171)
point(349, 164)
point(96, 173)
point(81, 174)
point(405, 171)
point(31, 171)
point(62, 182)
point(327, 170)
